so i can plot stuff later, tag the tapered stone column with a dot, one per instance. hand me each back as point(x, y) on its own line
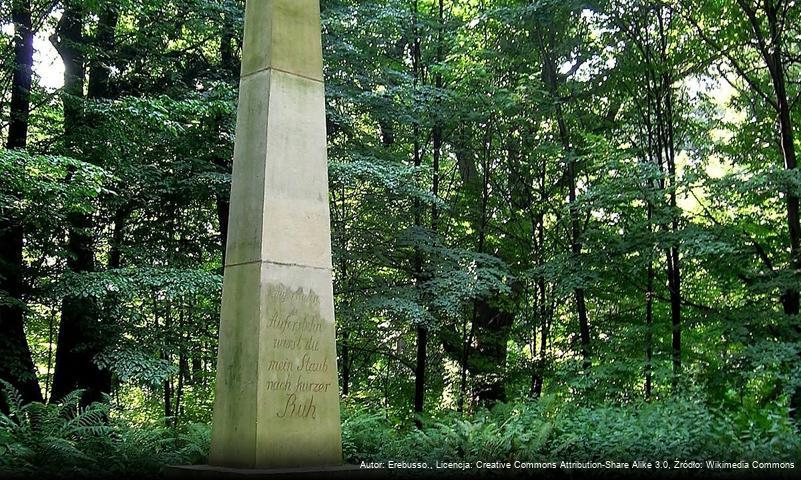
point(277, 399)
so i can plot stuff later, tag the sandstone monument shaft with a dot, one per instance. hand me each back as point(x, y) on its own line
point(277, 398)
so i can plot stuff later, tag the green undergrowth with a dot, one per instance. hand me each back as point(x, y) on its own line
point(68, 440)
point(548, 430)
point(73, 441)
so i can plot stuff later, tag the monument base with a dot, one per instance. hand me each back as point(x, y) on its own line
point(205, 472)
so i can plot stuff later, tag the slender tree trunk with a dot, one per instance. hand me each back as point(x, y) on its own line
point(542, 311)
point(651, 38)
point(222, 204)
point(549, 70)
point(343, 266)
point(417, 261)
point(774, 59)
point(674, 285)
point(437, 121)
point(666, 136)
point(164, 356)
point(422, 330)
point(118, 238)
point(672, 259)
point(544, 315)
point(420, 371)
point(650, 292)
point(467, 340)
point(649, 322)
point(651, 187)
point(790, 298)
point(532, 328)
point(167, 395)
point(179, 391)
point(17, 365)
point(183, 364)
point(575, 246)
point(345, 366)
point(228, 62)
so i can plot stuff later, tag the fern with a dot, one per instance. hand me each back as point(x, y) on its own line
point(12, 398)
point(67, 438)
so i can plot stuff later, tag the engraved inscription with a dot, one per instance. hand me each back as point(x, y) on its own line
point(297, 367)
point(293, 409)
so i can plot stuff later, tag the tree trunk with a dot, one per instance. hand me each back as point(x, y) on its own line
point(649, 326)
point(228, 62)
point(775, 61)
point(658, 120)
point(493, 326)
point(420, 371)
point(117, 238)
point(549, 71)
point(666, 140)
point(485, 346)
point(542, 311)
point(21, 81)
point(222, 203)
point(17, 365)
point(100, 67)
point(417, 260)
point(345, 365)
point(82, 335)
point(183, 364)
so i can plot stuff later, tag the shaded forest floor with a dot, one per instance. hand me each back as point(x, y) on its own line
point(60, 441)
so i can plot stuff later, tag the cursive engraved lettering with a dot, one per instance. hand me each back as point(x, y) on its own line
point(293, 409)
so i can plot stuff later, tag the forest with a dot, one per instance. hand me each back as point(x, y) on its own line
point(561, 229)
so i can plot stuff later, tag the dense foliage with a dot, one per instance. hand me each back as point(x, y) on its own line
point(583, 214)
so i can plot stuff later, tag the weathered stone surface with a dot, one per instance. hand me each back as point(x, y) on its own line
point(236, 396)
point(277, 398)
point(284, 35)
point(282, 173)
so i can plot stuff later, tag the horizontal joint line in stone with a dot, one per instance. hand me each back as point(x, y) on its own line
point(282, 264)
point(265, 69)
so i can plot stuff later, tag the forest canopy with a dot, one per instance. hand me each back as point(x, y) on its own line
point(555, 212)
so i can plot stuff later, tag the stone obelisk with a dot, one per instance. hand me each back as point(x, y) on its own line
point(277, 398)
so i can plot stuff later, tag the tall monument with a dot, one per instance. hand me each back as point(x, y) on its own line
point(277, 399)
